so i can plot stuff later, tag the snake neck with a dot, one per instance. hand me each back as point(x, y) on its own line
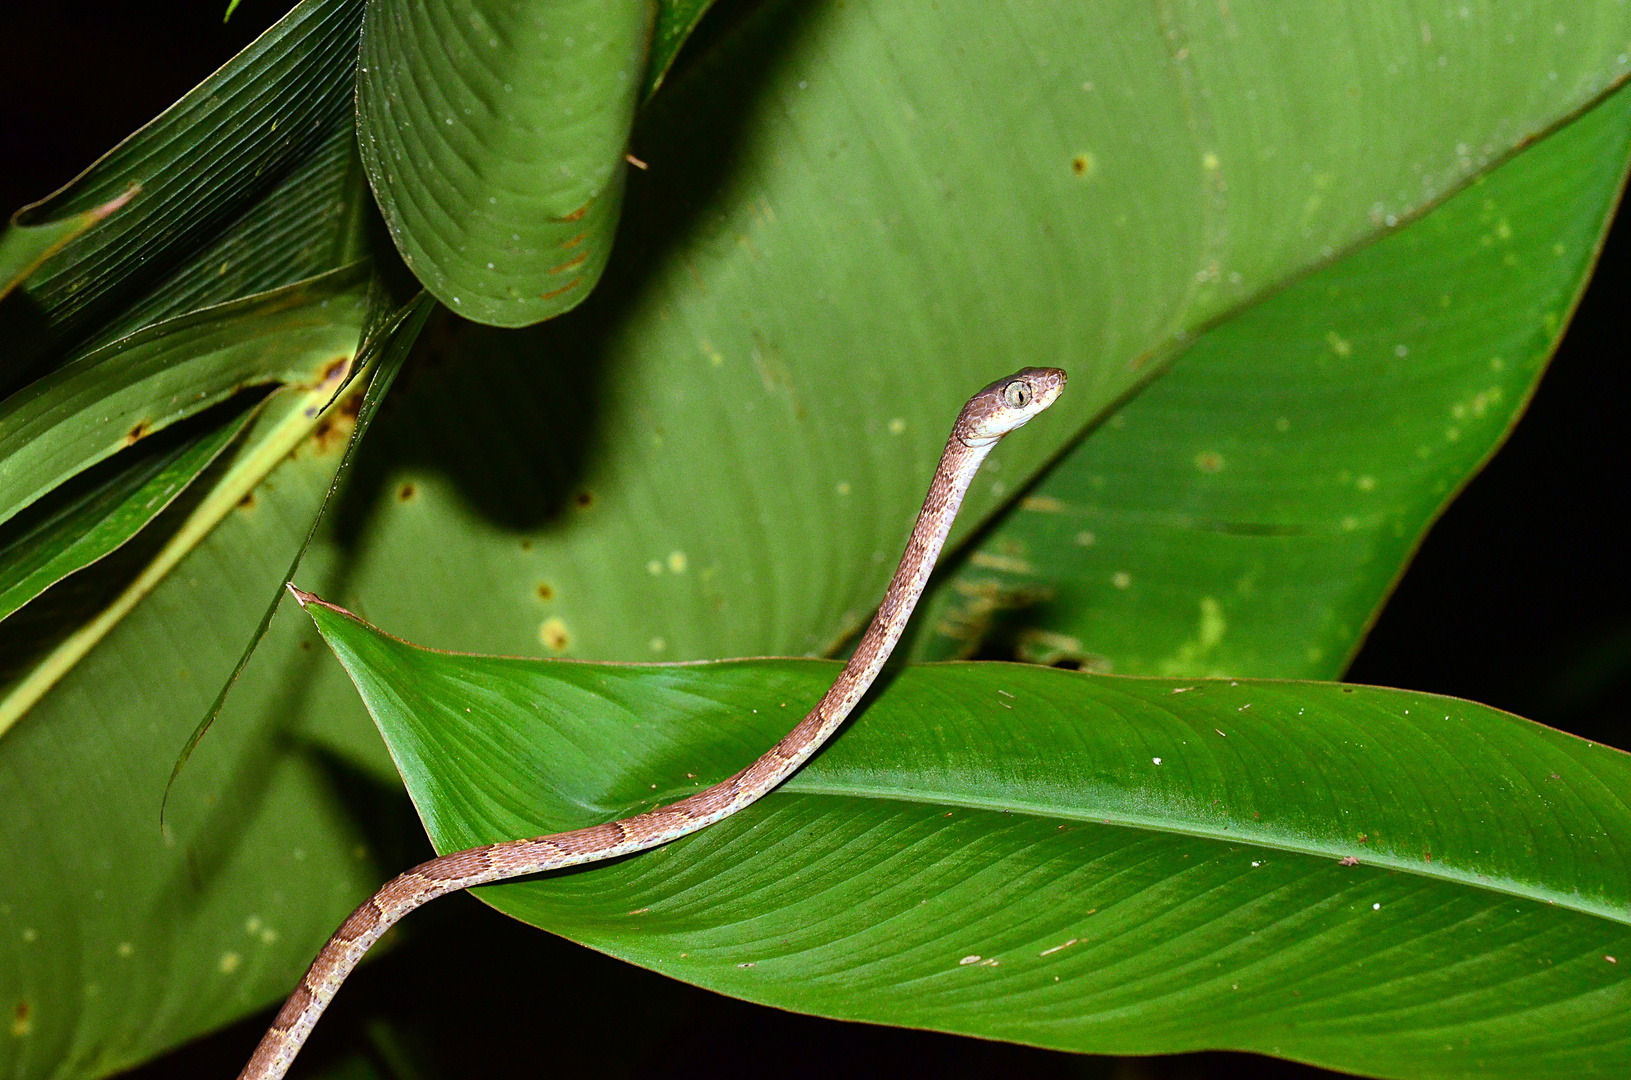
point(951, 483)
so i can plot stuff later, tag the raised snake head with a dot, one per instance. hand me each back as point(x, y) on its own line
point(1008, 404)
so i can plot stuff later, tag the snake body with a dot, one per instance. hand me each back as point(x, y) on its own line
point(989, 415)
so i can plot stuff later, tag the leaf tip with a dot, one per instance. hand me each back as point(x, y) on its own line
point(117, 202)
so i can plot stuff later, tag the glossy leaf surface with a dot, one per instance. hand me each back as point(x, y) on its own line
point(494, 135)
point(1248, 513)
point(675, 21)
point(1375, 880)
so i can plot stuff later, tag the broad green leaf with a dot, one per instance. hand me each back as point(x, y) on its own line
point(904, 226)
point(1379, 881)
point(1248, 513)
point(90, 519)
point(722, 452)
point(494, 136)
point(122, 944)
point(23, 247)
point(304, 334)
point(230, 140)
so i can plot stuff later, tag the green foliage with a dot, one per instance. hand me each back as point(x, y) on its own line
point(854, 214)
point(1081, 862)
point(1250, 510)
point(494, 134)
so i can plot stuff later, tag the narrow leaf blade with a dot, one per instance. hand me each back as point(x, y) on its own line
point(99, 519)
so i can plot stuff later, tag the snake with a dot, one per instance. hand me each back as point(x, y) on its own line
point(996, 410)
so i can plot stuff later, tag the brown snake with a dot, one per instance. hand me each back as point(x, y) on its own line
point(989, 415)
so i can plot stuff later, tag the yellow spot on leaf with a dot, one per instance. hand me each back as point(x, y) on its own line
point(553, 634)
point(1009, 563)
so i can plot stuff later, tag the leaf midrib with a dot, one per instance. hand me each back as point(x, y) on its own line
point(1257, 838)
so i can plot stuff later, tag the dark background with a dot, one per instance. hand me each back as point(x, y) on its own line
point(1520, 598)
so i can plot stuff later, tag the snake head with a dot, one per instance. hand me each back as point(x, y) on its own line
point(1008, 403)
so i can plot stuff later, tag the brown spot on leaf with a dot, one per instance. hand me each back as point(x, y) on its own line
point(335, 368)
point(568, 287)
point(248, 501)
point(406, 492)
point(577, 215)
point(139, 432)
point(545, 591)
point(334, 430)
point(576, 240)
point(584, 499)
point(570, 263)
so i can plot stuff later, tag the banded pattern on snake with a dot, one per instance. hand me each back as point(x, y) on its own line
point(989, 415)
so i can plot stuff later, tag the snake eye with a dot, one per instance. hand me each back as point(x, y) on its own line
point(1017, 394)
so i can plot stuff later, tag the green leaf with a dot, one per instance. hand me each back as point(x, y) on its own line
point(89, 520)
point(122, 943)
point(1087, 863)
point(494, 134)
point(906, 225)
point(314, 221)
point(813, 278)
point(304, 334)
point(23, 248)
point(676, 19)
point(381, 357)
point(1248, 513)
point(199, 164)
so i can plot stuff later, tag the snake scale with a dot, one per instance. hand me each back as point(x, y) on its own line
point(989, 415)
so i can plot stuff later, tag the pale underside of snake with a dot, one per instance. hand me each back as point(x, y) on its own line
point(989, 415)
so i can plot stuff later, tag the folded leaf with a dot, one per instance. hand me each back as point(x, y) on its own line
point(494, 135)
point(1374, 880)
